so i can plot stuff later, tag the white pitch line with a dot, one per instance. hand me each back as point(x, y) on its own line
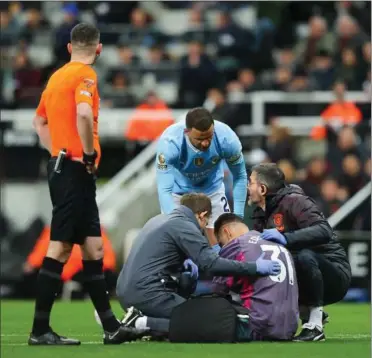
point(339, 337)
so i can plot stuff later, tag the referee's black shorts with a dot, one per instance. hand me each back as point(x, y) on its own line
point(73, 194)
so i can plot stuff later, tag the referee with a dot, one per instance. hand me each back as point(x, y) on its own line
point(66, 123)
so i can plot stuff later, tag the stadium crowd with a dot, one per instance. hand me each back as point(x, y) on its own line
point(233, 48)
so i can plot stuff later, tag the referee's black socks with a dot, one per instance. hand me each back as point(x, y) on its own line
point(96, 286)
point(48, 284)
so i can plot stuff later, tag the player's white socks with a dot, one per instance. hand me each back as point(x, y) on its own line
point(316, 318)
point(141, 323)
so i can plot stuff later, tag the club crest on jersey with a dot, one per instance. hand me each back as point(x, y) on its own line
point(215, 159)
point(278, 221)
point(88, 82)
point(234, 158)
point(198, 161)
point(161, 161)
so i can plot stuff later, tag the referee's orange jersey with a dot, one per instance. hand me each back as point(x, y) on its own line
point(72, 84)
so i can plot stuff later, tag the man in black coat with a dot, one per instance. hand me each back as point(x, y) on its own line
point(285, 215)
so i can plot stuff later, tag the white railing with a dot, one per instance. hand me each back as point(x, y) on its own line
point(126, 173)
point(113, 121)
point(350, 205)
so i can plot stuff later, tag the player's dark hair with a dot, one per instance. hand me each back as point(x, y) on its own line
point(197, 202)
point(199, 118)
point(226, 218)
point(270, 175)
point(85, 35)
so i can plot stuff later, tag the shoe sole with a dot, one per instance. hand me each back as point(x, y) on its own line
point(320, 338)
point(53, 344)
point(129, 317)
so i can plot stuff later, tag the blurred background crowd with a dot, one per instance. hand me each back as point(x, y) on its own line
point(233, 47)
point(163, 56)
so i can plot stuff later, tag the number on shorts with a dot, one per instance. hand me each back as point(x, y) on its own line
point(275, 252)
point(226, 208)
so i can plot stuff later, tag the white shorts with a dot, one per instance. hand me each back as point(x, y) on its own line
point(219, 201)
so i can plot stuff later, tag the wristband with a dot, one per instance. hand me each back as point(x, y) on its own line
point(90, 159)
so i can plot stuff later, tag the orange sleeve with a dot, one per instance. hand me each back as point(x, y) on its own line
point(36, 257)
point(109, 257)
point(40, 110)
point(86, 87)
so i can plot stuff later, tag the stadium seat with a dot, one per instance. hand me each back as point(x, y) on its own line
point(173, 22)
point(245, 17)
point(176, 50)
point(211, 17)
point(168, 91)
point(110, 56)
point(41, 56)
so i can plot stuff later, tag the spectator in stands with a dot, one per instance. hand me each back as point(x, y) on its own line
point(276, 80)
point(286, 58)
point(279, 143)
point(314, 174)
point(301, 82)
point(196, 65)
point(107, 12)
point(34, 22)
point(348, 70)
point(353, 177)
point(331, 196)
point(196, 25)
point(155, 56)
point(367, 167)
point(322, 70)
point(348, 143)
point(127, 56)
point(62, 34)
point(27, 79)
point(219, 107)
point(318, 39)
point(247, 79)
point(338, 114)
point(116, 94)
point(9, 29)
point(289, 171)
point(245, 83)
point(148, 121)
point(349, 34)
point(232, 45)
point(140, 30)
point(366, 66)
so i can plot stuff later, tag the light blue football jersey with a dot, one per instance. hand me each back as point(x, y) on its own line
point(181, 168)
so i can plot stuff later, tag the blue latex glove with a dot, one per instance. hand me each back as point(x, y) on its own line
point(267, 267)
point(190, 266)
point(216, 248)
point(274, 235)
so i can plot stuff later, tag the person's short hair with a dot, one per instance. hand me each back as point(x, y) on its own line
point(197, 202)
point(270, 175)
point(199, 118)
point(85, 35)
point(226, 218)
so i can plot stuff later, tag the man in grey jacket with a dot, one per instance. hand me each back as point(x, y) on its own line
point(146, 279)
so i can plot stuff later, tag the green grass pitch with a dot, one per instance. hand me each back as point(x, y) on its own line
point(348, 335)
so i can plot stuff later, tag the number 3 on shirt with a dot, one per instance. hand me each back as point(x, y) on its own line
point(226, 208)
point(275, 252)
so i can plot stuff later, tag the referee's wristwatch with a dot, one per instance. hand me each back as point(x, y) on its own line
point(90, 159)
